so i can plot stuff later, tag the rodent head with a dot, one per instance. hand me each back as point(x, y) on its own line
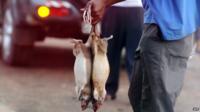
point(77, 46)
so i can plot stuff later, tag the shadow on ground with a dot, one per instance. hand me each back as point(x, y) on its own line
point(52, 57)
point(49, 57)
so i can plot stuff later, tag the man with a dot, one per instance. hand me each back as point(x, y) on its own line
point(163, 52)
point(197, 36)
point(124, 21)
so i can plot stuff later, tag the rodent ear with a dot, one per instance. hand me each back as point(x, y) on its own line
point(75, 52)
point(108, 38)
point(76, 41)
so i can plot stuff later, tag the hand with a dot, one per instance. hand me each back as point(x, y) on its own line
point(98, 9)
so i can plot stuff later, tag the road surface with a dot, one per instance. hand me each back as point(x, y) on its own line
point(47, 85)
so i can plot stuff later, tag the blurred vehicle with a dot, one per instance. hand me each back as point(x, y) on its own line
point(1, 12)
point(27, 21)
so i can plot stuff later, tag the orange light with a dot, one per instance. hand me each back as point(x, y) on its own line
point(43, 11)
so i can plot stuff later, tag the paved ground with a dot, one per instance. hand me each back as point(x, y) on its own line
point(47, 85)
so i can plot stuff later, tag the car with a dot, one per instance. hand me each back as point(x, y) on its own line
point(25, 22)
point(1, 12)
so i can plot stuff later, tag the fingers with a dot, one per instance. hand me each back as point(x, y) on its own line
point(97, 15)
point(93, 12)
point(95, 20)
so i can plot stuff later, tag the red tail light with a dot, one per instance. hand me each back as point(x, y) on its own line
point(61, 11)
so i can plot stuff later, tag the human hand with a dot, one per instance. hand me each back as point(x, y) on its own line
point(97, 10)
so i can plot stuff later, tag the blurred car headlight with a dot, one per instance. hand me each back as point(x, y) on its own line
point(43, 11)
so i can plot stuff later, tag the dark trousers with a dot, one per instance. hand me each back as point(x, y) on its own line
point(197, 35)
point(125, 24)
point(159, 70)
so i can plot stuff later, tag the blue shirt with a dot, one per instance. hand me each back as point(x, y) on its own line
point(176, 18)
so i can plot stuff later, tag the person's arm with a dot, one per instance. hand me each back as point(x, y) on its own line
point(98, 8)
point(111, 2)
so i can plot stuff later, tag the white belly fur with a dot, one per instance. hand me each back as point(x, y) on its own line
point(81, 71)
